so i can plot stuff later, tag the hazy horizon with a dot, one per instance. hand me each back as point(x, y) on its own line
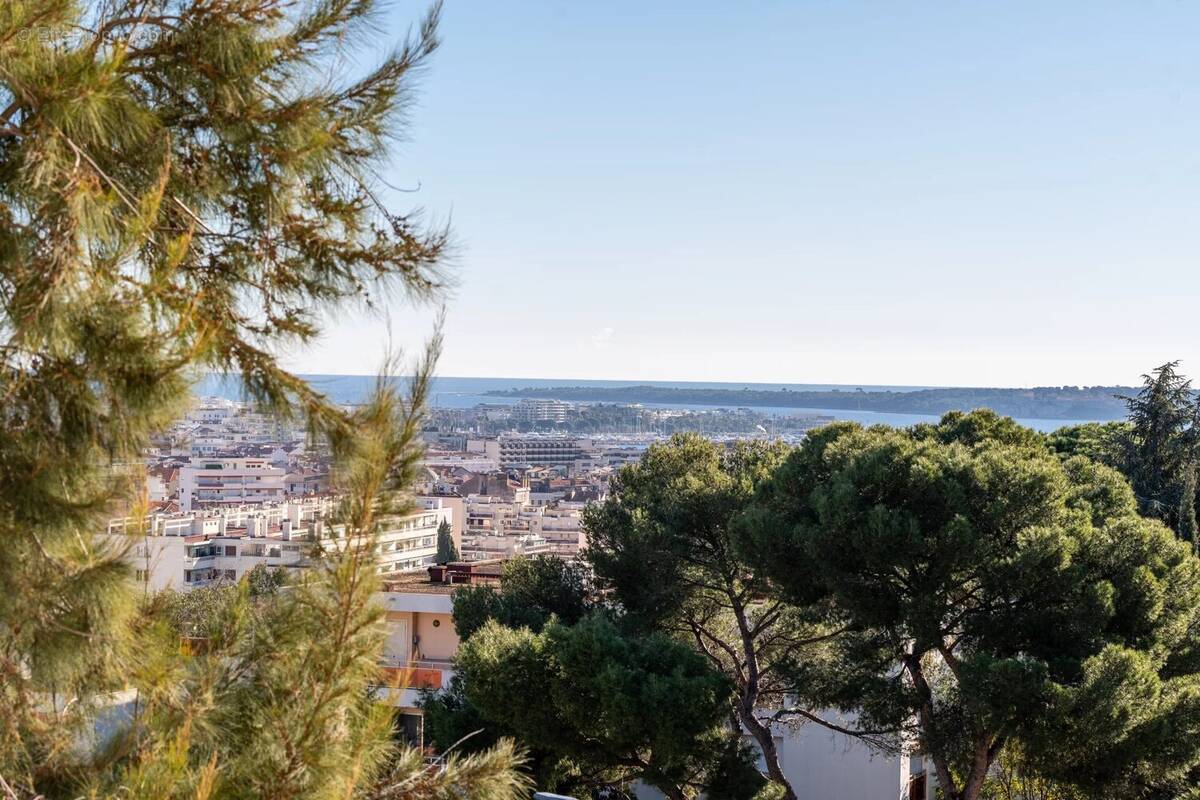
point(671, 382)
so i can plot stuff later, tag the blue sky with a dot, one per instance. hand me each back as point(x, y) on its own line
point(921, 193)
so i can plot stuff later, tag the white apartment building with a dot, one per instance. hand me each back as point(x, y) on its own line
point(217, 426)
point(206, 441)
point(486, 547)
point(471, 462)
point(212, 411)
point(215, 481)
point(537, 410)
point(405, 544)
point(458, 513)
point(537, 451)
point(495, 528)
point(191, 549)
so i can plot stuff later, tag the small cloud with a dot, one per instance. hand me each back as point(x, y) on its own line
point(602, 338)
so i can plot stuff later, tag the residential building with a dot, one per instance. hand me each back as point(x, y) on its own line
point(486, 547)
point(216, 481)
point(421, 640)
point(526, 451)
point(535, 410)
point(189, 549)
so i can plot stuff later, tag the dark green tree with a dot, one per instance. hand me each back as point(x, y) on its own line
point(1160, 445)
point(619, 708)
point(1185, 516)
point(1013, 778)
point(532, 590)
point(190, 186)
point(996, 597)
point(661, 548)
point(446, 551)
point(1103, 442)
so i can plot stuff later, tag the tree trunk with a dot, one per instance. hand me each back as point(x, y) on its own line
point(749, 699)
point(673, 792)
point(912, 663)
point(766, 743)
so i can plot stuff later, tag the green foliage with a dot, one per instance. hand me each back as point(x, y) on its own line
point(264, 581)
point(532, 591)
point(450, 719)
point(667, 513)
point(446, 551)
point(1012, 778)
point(1024, 600)
point(606, 690)
point(201, 612)
point(1103, 442)
point(661, 548)
point(978, 426)
point(1160, 446)
point(184, 187)
point(452, 722)
point(620, 708)
point(1185, 515)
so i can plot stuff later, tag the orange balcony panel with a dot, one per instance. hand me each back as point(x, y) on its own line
point(412, 677)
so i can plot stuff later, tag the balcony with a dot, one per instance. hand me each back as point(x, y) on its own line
point(401, 683)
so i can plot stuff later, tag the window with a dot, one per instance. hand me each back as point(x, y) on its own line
point(230, 550)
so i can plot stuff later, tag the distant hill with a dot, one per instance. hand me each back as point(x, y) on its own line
point(1044, 402)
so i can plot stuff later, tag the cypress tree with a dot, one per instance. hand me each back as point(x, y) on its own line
point(446, 551)
point(185, 188)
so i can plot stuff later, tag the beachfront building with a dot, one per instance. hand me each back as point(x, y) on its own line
point(534, 410)
point(515, 452)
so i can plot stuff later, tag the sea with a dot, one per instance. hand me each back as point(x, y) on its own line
point(462, 392)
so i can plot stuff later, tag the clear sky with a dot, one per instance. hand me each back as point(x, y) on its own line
point(853, 192)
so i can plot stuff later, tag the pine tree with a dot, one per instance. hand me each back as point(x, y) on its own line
point(1160, 442)
point(446, 551)
point(183, 187)
point(994, 599)
point(662, 546)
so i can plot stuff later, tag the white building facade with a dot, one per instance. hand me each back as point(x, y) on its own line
point(214, 481)
point(201, 548)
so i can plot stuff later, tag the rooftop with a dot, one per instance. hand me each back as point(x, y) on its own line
point(445, 578)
